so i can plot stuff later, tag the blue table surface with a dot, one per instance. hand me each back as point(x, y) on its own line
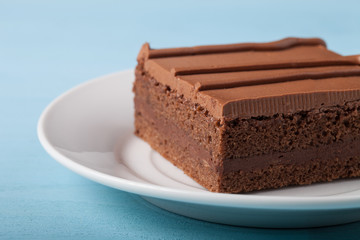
point(47, 47)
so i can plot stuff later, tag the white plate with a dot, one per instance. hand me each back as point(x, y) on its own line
point(89, 129)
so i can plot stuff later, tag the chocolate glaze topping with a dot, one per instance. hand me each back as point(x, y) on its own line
point(270, 46)
point(257, 79)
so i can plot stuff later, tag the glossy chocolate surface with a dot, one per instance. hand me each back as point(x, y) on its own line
point(257, 79)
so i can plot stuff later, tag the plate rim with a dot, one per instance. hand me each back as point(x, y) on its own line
point(204, 198)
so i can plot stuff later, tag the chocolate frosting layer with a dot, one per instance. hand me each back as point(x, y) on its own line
point(257, 79)
point(186, 51)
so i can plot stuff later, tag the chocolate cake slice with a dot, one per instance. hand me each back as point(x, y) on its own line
point(252, 116)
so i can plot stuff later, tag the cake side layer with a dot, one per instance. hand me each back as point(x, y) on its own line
point(346, 148)
point(178, 148)
point(327, 163)
point(191, 117)
point(278, 176)
point(283, 133)
point(241, 138)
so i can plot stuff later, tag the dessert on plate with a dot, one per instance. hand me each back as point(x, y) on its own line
point(251, 116)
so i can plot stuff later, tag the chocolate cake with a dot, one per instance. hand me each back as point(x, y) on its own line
point(252, 116)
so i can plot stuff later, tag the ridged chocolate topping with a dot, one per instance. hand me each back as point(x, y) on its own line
point(240, 47)
point(256, 79)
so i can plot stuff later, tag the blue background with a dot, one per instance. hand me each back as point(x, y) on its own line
point(47, 47)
